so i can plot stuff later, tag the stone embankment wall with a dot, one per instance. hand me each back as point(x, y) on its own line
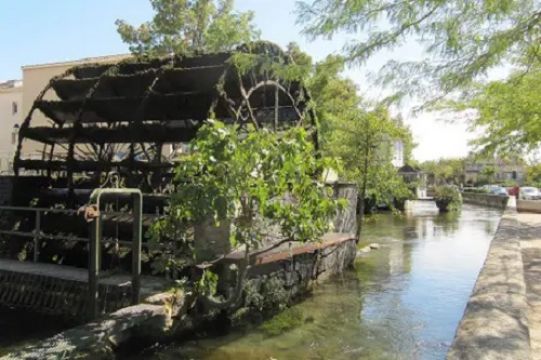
point(494, 201)
point(531, 206)
point(495, 323)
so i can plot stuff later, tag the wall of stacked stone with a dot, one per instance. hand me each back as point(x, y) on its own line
point(282, 278)
point(495, 325)
point(494, 201)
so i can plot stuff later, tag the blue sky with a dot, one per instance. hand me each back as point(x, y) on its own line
point(38, 31)
point(42, 31)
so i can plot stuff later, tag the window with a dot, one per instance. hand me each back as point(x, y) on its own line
point(14, 108)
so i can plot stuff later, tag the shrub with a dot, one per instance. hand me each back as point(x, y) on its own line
point(447, 198)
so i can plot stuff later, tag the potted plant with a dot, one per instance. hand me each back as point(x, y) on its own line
point(447, 198)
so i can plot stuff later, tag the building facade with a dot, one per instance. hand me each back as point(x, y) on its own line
point(496, 171)
point(11, 114)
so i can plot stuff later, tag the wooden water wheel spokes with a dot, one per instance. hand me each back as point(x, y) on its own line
point(120, 117)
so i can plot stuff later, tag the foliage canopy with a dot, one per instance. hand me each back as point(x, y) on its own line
point(509, 113)
point(362, 136)
point(184, 26)
point(462, 40)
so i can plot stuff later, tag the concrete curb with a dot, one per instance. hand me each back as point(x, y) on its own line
point(495, 323)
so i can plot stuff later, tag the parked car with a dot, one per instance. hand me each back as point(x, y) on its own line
point(500, 191)
point(529, 193)
point(488, 188)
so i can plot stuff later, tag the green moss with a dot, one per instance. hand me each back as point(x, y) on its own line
point(285, 321)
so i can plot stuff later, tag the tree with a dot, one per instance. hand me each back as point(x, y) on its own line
point(364, 142)
point(462, 40)
point(446, 171)
point(362, 138)
point(335, 98)
point(487, 174)
point(184, 26)
point(509, 113)
point(533, 175)
point(264, 183)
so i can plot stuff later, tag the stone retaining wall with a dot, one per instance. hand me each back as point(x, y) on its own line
point(531, 206)
point(495, 324)
point(494, 201)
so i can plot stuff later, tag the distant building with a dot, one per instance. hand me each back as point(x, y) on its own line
point(11, 114)
point(416, 180)
point(497, 171)
point(398, 154)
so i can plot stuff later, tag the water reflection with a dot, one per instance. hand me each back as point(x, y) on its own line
point(403, 301)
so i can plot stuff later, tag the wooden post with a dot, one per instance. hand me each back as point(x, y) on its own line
point(136, 247)
point(94, 268)
point(37, 231)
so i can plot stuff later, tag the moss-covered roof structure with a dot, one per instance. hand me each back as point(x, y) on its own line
point(125, 117)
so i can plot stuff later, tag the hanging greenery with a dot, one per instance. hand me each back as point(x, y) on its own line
point(264, 184)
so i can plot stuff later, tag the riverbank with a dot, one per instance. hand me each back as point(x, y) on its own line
point(503, 317)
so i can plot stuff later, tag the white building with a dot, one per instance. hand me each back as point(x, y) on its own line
point(11, 116)
point(398, 154)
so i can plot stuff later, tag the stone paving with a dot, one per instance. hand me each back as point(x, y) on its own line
point(530, 243)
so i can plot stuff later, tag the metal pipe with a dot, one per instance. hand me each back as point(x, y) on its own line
point(93, 271)
point(37, 232)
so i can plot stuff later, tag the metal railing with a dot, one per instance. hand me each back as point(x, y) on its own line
point(94, 240)
point(96, 234)
point(37, 235)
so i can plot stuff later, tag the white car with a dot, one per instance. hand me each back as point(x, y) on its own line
point(529, 193)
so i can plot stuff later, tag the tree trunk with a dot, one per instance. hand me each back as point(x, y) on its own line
point(362, 194)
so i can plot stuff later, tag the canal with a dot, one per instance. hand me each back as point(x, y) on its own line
point(402, 301)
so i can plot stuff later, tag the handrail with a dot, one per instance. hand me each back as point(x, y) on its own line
point(94, 241)
point(38, 235)
point(94, 263)
point(29, 209)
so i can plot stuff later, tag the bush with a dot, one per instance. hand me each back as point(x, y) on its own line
point(476, 190)
point(447, 198)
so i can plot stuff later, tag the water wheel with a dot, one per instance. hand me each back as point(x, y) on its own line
point(130, 118)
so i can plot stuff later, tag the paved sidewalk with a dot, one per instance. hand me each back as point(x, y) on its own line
point(530, 243)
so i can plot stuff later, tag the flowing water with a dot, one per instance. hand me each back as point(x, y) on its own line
point(402, 301)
